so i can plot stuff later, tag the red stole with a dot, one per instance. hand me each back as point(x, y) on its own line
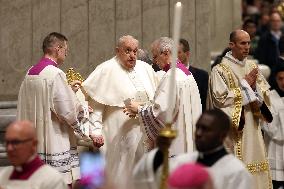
point(28, 169)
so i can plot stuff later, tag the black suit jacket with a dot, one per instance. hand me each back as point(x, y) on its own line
point(267, 50)
point(201, 78)
point(272, 77)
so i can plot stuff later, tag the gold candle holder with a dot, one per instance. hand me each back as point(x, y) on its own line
point(164, 141)
point(71, 76)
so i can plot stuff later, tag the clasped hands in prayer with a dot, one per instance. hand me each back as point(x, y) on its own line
point(251, 78)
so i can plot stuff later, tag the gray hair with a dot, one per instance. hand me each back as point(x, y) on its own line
point(144, 56)
point(165, 44)
point(124, 38)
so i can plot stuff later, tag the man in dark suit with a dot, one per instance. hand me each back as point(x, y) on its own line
point(280, 62)
point(200, 76)
point(267, 50)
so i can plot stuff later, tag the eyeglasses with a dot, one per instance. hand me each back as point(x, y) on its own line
point(16, 142)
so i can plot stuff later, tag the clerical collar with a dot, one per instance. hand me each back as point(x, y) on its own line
point(20, 168)
point(210, 157)
point(25, 171)
point(230, 57)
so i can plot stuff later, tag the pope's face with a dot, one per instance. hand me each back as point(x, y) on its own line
point(127, 53)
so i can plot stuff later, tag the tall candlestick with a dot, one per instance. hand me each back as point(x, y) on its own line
point(176, 36)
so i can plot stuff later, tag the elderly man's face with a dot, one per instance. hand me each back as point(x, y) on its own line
point(161, 58)
point(127, 53)
point(280, 80)
point(240, 47)
point(207, 135)
point(20, 147)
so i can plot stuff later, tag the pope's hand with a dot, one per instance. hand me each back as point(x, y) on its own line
point(129, 112)
point(75, 85)
point(98, 140)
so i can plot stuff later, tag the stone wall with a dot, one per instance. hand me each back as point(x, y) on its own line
point(92, 27)
point(225, 16)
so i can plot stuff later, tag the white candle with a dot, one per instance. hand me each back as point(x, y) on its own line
point(176, 36)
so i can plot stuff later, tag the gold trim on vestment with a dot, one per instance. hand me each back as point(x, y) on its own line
point(254, 167)
point(236, 115)
point(238, 97)
point(238, 152)
point(257, 167)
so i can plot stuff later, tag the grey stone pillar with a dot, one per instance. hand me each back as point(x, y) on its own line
point(225, 16)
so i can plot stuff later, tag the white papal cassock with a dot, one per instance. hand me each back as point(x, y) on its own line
point(108, 86)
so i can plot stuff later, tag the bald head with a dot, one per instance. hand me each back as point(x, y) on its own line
point(24, 128)
point(21, 142)
point(239, 44)
point(234, 35)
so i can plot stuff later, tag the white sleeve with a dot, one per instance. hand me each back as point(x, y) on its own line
point(66, 106)
point(96, 117)
point(275, 129)
point(248, 94)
